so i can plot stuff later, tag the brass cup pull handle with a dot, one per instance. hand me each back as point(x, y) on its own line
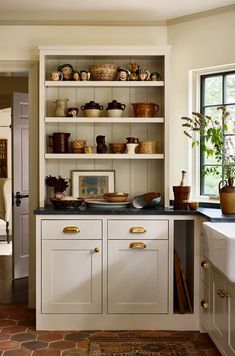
point(71, 229)
point(137, 230)
point(204, 304)
point(140, 245)
point(204, 264)
point(96, 249)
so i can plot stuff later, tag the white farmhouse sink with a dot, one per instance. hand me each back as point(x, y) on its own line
point(219, 246)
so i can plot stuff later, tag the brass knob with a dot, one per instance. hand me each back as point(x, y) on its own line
point(96, 249)
point(140, 245)
point(137, 230)
point(204, 264)
point(221, 293)
point(71, 229)
point(204, 304)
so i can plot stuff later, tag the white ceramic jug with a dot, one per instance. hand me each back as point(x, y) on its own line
point(131, 148)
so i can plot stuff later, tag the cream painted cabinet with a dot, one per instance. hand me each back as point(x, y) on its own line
point(138, 276)
point(71, 276)
point(135, 173)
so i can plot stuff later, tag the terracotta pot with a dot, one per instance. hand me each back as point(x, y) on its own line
point(145, 109)
point(227, 196)
point(181, 197)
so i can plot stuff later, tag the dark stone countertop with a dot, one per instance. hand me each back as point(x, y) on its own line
point(211, 214)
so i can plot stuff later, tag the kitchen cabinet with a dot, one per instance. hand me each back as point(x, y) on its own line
point(134, 173)
point(109, 271)
point(137, 267)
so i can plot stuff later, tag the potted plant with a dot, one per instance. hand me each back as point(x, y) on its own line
point(59, 185)
point(209, 133)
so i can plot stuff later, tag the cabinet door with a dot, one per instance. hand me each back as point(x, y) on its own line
point(231, 319)
point(219, 310)
point(71, 276)
point(137, 277)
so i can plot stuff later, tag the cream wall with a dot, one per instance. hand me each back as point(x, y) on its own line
point(195, 44)
point(202, 42)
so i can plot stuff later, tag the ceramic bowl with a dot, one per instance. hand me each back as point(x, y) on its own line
point(114, 112)
point(193, 205)
point(66, 204)
point(117, 147)
point(116, 197)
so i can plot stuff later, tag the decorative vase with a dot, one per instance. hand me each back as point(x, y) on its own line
point(227, 196)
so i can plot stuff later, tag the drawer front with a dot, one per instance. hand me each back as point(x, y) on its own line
point(205, 271)
point(138, 229)
point(72, 229)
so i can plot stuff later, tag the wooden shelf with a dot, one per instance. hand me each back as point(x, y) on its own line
point(105, 83)
point(136, 120)
point(103, 156)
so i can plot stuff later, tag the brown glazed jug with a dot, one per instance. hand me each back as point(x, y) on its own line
point(59, 142)
point(227, 196)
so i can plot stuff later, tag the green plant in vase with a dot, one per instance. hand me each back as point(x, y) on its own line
point(211, 133)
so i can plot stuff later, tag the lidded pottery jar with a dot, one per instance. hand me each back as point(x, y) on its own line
point(92, 109)
point(227, 196)
point(115, 109)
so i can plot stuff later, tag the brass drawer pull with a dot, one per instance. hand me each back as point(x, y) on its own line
point(204, 304)
point(96, 249)
point(204, 264)
point(140, 245)
point(71, 229)
point(137, 230)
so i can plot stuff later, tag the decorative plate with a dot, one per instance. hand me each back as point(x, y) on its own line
point(102, 203)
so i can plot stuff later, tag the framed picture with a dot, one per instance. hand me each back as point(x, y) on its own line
point(92, 184)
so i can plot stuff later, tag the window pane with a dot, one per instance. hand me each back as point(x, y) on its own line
point(213, 91)
point(210, 183)
point(230, 148)
point(214, 114)
point(230, 122)
point(230, 88)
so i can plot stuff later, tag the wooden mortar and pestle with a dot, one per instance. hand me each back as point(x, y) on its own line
point(181, 194)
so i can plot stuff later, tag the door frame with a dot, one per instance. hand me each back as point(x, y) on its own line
point(31, 67)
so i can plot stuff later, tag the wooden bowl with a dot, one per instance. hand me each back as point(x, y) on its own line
point(66, 204)
point(116, 197)
point(117, 147)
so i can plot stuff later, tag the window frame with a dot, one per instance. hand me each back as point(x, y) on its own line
point(194, 104)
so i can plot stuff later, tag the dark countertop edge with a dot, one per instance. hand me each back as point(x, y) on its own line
point(211, 214)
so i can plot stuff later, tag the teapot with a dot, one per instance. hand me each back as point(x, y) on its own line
point(60, 109)
point(227, 196)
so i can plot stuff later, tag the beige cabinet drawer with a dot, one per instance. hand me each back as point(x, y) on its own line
point(138, 229)
point(71, 229)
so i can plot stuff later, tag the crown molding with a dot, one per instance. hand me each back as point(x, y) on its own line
point(201, 14)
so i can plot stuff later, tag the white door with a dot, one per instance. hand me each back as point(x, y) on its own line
point(137, 276)
point(20, 138)
point(71, 276)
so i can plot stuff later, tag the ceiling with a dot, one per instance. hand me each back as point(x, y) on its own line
point(108, 12)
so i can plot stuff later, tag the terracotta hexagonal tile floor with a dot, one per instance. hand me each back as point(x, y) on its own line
point(19, 337)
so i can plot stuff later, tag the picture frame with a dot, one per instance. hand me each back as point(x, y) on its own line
point(92, 184)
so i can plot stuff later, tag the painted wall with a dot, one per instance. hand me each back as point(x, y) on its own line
point(200, 43)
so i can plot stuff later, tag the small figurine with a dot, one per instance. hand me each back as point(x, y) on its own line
point(84, 75)
point(123, 74)
point(56, 76)
point(134, 68)
point(143, 74)
point(101, 146)
point(76, 76)
point(66, 70)
point(155, 76)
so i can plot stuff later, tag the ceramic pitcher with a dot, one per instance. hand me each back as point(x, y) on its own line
point(60, 107)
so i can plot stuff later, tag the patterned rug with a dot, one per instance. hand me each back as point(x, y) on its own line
point(140, 347)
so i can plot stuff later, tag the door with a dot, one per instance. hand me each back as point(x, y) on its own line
point(20, 135)
point(137, 276)
point(71, 276)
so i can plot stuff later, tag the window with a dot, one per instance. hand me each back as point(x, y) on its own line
point(216, 90)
